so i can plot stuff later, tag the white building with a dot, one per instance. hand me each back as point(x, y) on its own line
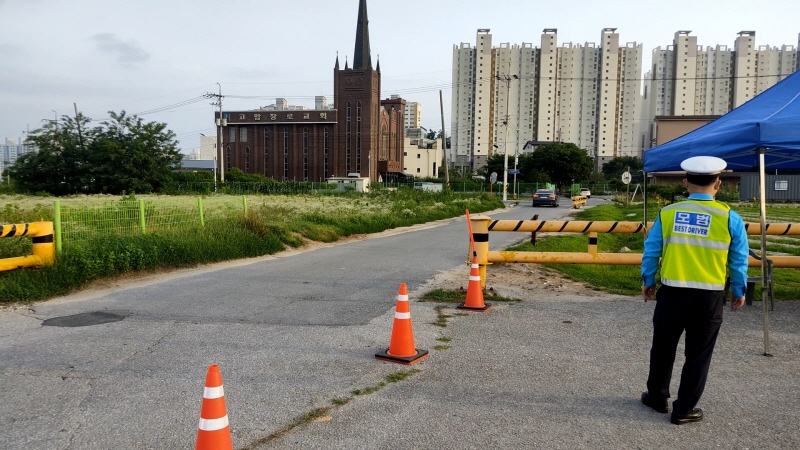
point(421, 157)
point(12, 149)
point(585, 94)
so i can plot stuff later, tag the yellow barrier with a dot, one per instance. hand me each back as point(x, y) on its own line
point(43, 248)
point(482, 225)
point(578, 201)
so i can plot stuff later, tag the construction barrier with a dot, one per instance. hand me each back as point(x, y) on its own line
point(578, 201)
point(43, 249)
point(482, 225)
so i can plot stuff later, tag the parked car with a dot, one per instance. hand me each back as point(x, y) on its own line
point(585, 192)
point(545, 197)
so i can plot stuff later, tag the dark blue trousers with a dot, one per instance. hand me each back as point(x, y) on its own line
point(699, 313)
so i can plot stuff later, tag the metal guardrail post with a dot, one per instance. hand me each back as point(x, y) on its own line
point(57, 224)
point(141, 216)
point(200, 208)
point(593, 243)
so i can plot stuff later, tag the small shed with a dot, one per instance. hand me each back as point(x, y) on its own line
point(779, 188)
point(358, 184)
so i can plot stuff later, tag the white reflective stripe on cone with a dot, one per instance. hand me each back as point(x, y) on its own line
point(213, 392)
point(398, 315)
point(213, 424)
point(475, 266)
point(474, 278)
point(403, 298)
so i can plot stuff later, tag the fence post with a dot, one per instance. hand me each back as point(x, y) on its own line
point(200, 207)
point(141, 216)
point(57, 224)
point(244, 203)
point(480, 235)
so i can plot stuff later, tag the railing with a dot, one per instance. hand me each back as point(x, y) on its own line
point(43, 249)
point(482, 225)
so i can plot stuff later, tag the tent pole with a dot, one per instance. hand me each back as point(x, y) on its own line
point(763, 218)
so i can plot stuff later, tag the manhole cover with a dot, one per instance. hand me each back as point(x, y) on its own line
point(84, 319)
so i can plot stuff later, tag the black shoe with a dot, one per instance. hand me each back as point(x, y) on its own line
point(658, 406)
point(694, 415)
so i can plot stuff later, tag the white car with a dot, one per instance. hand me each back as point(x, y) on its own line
point(585, 192)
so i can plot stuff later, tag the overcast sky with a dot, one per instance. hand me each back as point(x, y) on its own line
point(147, 55)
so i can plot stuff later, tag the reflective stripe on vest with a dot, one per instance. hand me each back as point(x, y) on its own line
point(696, 240)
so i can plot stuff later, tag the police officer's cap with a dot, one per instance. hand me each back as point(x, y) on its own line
point(703, 165)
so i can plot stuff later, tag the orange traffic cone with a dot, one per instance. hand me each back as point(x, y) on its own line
point(401, 346)
point(213, 433)
point(474, 292)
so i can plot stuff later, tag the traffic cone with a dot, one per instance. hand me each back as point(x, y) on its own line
point(474, 292)
point(213, 433)
point(401, 346)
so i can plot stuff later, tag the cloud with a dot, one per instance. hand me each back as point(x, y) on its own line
point(127, 52)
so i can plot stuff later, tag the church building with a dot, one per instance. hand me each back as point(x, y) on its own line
point(362, 135)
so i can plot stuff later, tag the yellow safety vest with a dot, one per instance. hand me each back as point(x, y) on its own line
point(696, 240)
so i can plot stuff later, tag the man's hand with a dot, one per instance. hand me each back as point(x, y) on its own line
point(737, 302)
point(649, 292)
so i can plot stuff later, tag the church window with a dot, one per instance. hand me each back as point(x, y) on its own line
point(305, 154)
point(285, 153)
point(247, 160)
point(266, 152)
point(358, 137)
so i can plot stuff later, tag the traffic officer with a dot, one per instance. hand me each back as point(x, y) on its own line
point(696, 240)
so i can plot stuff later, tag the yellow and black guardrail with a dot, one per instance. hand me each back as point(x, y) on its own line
point(43, 248)
point(482, 225)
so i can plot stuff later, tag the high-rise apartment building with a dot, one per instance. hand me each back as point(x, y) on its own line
point(685, 79)
point(413, 115)
point(508, 95)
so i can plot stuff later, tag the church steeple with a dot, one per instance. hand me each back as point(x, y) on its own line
point(361, 57)
point(336, 67)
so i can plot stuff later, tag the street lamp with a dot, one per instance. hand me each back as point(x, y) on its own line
point(507, 78)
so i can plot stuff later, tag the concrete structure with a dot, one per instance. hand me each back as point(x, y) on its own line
point(422, 157)
point(672, 127)
point(585, 94)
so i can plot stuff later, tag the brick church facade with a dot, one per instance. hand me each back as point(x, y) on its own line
point(362, 135)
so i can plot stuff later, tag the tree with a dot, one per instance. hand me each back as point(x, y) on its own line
point(562, 162)
point(121, 154)
point(614, 169)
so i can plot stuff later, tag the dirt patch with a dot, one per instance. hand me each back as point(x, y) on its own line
point(529, 282)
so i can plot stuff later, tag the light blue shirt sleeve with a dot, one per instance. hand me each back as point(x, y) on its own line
point(652, 253)
point(737, 254)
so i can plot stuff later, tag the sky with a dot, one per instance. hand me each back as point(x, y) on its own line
point(158, 58)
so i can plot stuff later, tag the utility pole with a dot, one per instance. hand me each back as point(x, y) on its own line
point(507, 78)
point(220, 122)
point(219, 137)
point(78, 124)
point(444, 144)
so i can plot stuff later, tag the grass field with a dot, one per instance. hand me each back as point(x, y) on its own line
point(626, 280)
point(116, 245)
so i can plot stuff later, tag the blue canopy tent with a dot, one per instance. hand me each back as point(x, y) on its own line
point(763, 133)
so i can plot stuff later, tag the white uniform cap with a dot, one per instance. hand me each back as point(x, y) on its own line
point(703, 165)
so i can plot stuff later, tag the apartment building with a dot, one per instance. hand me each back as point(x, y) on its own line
point(507, 95)
point(11, 149)
point(413, 115)
point(686, 79)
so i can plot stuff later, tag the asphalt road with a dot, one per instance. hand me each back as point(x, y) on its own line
point(293, 332)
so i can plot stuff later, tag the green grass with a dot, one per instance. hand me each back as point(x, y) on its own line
point(271, 224)
point(457, 296)
point(626, 280)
